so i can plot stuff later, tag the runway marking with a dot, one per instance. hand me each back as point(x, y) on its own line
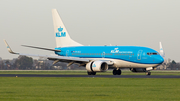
point(103, 76)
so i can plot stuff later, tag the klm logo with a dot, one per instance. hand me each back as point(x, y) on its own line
point(115, 50)
point(60, 33)
point(93, 65)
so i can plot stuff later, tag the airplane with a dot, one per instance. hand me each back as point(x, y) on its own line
point(98, 58)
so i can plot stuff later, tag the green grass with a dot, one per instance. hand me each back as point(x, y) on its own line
point(84, 72)
point(88, 89)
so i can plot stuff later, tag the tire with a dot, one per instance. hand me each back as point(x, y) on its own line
point(119, 72)
point(93, 73)
point(114, 72)
point(89, 73)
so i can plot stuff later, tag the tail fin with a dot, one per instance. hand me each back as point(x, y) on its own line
point(161, 52)
point(62, 37)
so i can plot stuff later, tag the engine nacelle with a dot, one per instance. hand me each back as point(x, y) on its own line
point(97, 66)
point(138, 69)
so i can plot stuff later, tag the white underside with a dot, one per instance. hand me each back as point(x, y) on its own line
point(125, 64)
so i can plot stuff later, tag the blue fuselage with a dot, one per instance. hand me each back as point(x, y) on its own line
point(134, 54)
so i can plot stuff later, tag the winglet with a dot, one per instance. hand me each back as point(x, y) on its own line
point(9, 49)
point(161, 52)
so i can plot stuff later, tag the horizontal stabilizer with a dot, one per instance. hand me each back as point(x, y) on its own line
point(42, 48)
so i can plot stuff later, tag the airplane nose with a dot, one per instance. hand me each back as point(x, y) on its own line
point(160, 59)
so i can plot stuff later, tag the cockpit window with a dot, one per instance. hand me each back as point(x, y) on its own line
point(155, 53)
point(152, 53)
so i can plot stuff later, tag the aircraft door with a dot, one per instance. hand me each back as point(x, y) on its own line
point(67, 52)
point(103, 55)
point(139, 54)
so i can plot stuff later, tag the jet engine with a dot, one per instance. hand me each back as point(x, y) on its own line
point(138, 69)
point(97, 66)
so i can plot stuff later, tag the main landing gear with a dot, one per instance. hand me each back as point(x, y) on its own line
point(116, 72)
point(91, 73)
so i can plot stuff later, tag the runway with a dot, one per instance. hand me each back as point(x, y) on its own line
point(90, 76)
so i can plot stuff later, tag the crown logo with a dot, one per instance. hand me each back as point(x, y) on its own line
point(60, 29)
point(93, 65)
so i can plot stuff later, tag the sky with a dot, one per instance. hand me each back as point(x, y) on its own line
point(91, 22)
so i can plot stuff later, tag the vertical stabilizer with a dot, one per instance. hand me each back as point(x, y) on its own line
point(161, 52)
point(62, 37)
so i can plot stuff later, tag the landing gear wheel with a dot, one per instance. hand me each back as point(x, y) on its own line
point(91, 73)
point(148, 73)
point(116, 72)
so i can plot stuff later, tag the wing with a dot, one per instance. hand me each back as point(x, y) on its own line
point(60, 58)
point(70, 60)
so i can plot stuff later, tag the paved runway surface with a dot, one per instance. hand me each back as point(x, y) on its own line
point(104, 76)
